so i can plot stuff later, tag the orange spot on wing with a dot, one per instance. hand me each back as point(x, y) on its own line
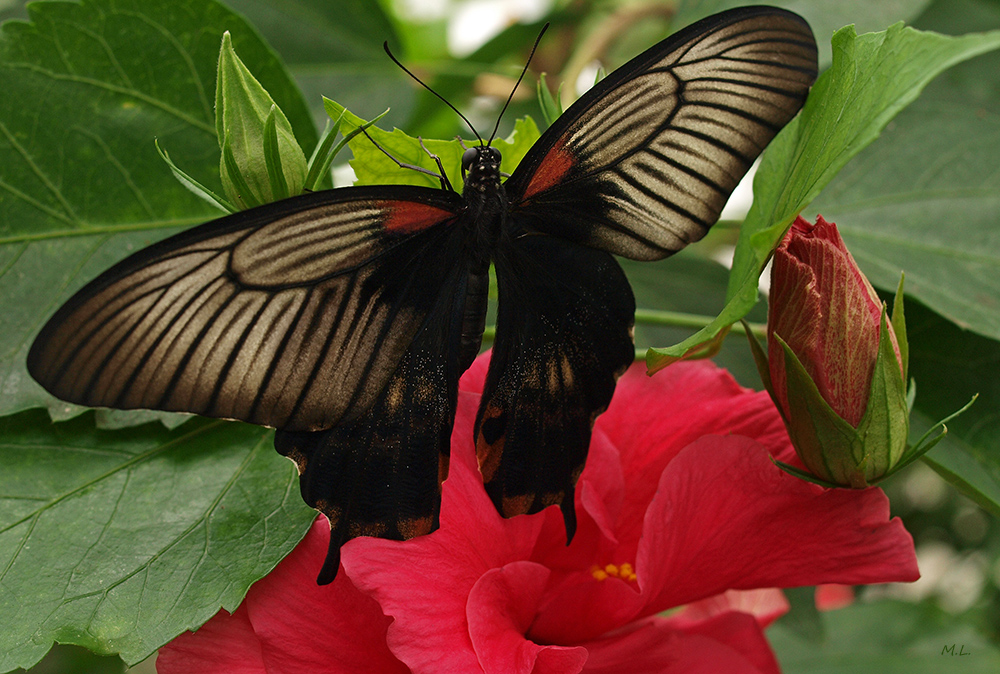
point(444, 461)
point(488, 455)
point(551, 170)
point(517, 505)
point(412, 528)
point(409, 217)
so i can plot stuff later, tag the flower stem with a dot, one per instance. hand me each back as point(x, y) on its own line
point(676, 319)
point(679, 319)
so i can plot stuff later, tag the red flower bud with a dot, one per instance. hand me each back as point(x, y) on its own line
point(838, 387)
point(825, 309)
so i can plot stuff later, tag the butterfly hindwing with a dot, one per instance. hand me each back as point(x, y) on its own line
point(564, 335)
point(642, 164)
point(292, 315)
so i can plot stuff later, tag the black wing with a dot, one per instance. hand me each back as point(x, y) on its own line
point(643, 163)
point(380, 475)
point(563, 337)
point(640, 166)
point(293, 315)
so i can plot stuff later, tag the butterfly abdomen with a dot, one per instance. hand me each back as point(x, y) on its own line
point(474, 316)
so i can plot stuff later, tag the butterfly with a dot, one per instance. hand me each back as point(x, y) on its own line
point(344, 318)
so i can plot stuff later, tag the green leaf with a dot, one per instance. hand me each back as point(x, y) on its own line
point(889, 637)
point(824, 17)
point(950, 366)
point(873, 77)
point(924, 198)
point(81, 183)
point(120, 540)
point(261, 160)
point(335, 49)
point(372, 167)
point(688, 283)
point(803, 620)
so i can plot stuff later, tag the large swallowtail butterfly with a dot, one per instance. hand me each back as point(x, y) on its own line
point(344, 318)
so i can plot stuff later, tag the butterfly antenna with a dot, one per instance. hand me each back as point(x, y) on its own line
point(385, 46)
point(509, 98)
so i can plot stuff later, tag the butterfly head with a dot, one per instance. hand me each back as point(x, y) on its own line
point(481, 168)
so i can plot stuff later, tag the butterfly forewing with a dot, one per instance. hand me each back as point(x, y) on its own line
point(293, 315)
point(644, 162)
point(380, 474)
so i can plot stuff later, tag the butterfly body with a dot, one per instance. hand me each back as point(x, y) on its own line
point(345, 318)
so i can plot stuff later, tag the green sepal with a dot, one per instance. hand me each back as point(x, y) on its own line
point(804, 474)
point(551, 105)
point(926, 443)
point(193, 185)
point(760, 360)
point(272, 158)
point(886, 417)
point(829, 446)
point(258, 164)
point(899, 327)
point(322, 157)
point(236, 187)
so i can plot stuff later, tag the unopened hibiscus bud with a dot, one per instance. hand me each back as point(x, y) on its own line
point(835, 368)
point(261, 160)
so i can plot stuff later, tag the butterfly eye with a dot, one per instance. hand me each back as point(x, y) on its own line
point(468, 157)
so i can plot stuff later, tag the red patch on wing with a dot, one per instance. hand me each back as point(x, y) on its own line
point(554, 166)
point(407, 217)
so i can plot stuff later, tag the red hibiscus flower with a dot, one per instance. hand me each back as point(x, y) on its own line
point(679, 505)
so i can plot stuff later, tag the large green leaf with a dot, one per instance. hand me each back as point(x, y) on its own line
point(688, 283)
point(823, 16)
point(335, 49)
point(888, 637)
point(81, 184)
point(925, 197)
point(120, 540)
point(872, 78)
point(950, 365)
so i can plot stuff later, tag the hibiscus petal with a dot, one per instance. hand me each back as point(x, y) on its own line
point(305, 628)
point(226, 643)
point(765, 604)
point(289, 625)
point(732, 643)
point(652, 419)
point(726, 518)
point(501, 606)
point(424, 583)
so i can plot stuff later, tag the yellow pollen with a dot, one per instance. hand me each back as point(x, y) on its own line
point(625, 571)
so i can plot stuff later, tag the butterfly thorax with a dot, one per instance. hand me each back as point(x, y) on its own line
point(486, 203)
